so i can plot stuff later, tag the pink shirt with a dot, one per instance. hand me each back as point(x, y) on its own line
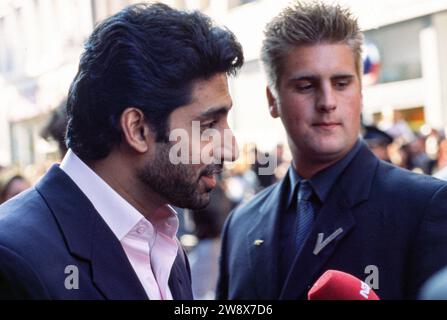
point(150, 247)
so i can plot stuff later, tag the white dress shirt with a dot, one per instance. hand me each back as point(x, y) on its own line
point(150, 247)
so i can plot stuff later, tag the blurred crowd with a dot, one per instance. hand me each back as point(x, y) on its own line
point(14, 180)
point(423, 151)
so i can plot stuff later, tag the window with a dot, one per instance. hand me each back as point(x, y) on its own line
point(399, 60)
point(237, 3)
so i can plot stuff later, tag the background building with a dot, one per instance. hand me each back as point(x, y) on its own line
point(409, 45)
point(40, 43)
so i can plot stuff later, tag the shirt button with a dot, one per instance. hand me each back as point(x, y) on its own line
point(140, 230)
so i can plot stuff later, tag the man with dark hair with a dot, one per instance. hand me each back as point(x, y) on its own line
point(339, 207)
point(100, 225)
point(56, 126)
point(378, 141)
point(12, 187)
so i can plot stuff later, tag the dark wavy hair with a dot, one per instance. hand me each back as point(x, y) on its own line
point(147, 56)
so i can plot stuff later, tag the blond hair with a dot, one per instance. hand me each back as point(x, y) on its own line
point(308, 24)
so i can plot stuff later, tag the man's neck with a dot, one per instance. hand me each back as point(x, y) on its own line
point(117, 173)
point(307, 168)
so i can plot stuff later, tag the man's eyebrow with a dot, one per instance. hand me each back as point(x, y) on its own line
point(343, 76)
point(304, 78)
point(213, 112)
point(317, 78)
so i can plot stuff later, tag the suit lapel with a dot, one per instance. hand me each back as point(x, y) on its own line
point(112, 272)
point(263, 242)
point(175, 281)
point(88, 237)
point(179, 280)
point(334, 222)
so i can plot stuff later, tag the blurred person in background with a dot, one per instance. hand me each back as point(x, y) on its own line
point(264, 160)
point(378, 141)
point(420, 161)
point(442, 155)
point(268, 166)
point(100, 225)
point(402, 157)
point(13, 186)
point(411, 156)
point(204, 257)
point(339, 207)
point(399, 128)
point(282, 162)
point(241, 181)
point(441, 163)
point(432, 143)
point(56, 127)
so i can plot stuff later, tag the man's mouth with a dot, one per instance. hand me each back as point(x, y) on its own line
point(208, 177)
point(210, 181)
point(326, 125)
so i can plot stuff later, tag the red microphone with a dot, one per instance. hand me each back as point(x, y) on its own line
point(337, 285)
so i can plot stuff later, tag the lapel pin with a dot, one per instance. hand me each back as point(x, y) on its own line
point(321, 242)
point(258, 242)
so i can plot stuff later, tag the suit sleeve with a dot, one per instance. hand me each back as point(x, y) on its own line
point(17, 279)
point(429, 254)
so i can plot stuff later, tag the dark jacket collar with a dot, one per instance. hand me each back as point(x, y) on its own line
point(323, 181)
point(351, 188)
point(88, 237)
point(335, 218)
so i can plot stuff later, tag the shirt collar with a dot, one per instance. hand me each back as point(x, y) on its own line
point(323, 181)
point(121, 217)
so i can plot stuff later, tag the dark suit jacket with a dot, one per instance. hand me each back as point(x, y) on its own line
point(54, 225)
point(390, 218)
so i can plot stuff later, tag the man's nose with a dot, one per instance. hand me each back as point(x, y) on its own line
point(230, 149)
point(327, 99)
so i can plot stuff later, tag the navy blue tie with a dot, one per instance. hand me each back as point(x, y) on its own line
point(305, 213)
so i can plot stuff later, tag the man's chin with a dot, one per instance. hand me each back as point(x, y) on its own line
point(201, 206)
point(329, 149)
point(196, 204)
point(203, 203)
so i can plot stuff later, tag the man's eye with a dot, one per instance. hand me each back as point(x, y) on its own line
point(303, 87)
point(341, 84)
point(209, 125)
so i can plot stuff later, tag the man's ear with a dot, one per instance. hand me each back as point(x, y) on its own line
point(273, 103)
point(136, 131)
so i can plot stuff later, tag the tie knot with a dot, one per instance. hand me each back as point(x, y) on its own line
point(305, 190)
